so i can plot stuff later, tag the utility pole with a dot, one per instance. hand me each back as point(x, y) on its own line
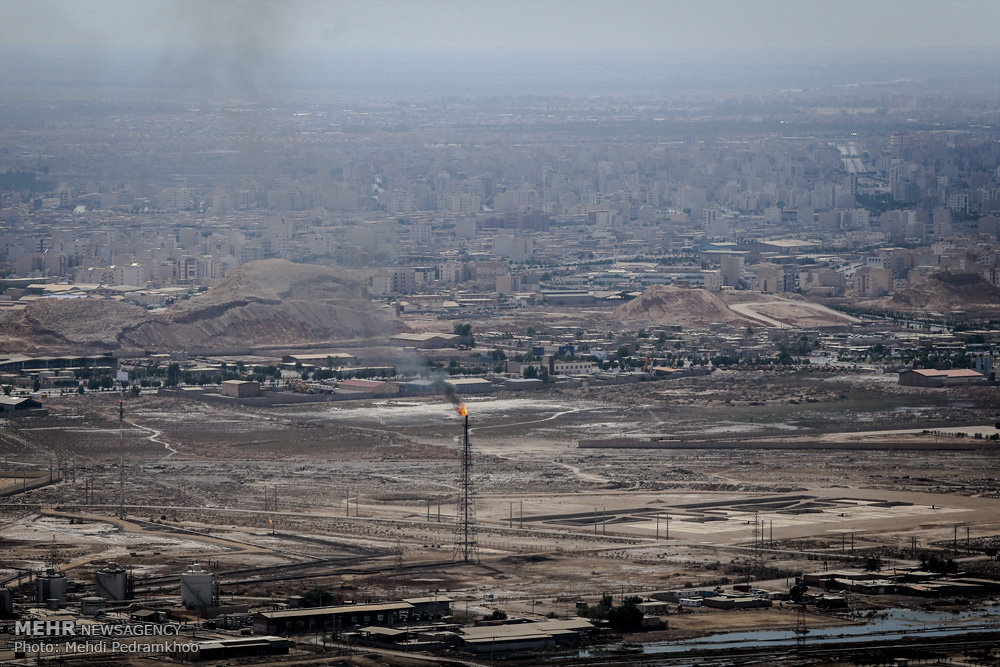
point(121, 453)
point(756, 538)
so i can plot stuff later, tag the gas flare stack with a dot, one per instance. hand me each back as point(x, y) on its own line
point(466, 543)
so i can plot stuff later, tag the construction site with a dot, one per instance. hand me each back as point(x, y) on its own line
point(388, 529)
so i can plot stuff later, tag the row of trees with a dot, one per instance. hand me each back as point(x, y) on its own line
point(624, 617)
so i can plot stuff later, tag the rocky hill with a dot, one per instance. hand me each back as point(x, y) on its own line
point(666, 305)
point(268, 302)
point(946, 292)
point(66, 326)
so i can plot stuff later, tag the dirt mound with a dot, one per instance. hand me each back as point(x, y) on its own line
point(946, 291)
point(666, 304)
point(268, 302)
point(67, 325)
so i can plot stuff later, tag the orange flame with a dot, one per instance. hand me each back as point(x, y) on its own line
point(462, 410)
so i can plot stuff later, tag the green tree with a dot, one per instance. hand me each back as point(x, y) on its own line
point(873, 564)
point(598, 611)
point(320, 597)
point(463, 330)
point(627, 616)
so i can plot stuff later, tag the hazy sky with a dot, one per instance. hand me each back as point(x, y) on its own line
point(200, 24)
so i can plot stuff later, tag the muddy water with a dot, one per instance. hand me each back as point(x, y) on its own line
point(889, 625)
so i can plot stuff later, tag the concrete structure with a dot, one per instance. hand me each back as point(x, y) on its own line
point(328, 359)
point(469, 385)
point(871, 282)
point(732, 266)
point(928, 377)
point(531, 636)
point(712, 280)
point(519, 384)
point(768, 278)
point(735, 602)
point(373, 387)
point(425, 341)
point(656, 607)
point(354, 615)
point(240, 388)
point(232, 649)
point(572, 368)
point(14, 406)
point(20, 362)
point(333, 618)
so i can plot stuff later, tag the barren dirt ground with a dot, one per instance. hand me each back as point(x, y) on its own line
point(362, 494)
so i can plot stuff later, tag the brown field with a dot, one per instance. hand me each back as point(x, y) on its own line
point(195, 476)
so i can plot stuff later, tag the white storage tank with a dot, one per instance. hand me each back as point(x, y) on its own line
point(51, 585)
point(112, 582)
point(197, 587)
